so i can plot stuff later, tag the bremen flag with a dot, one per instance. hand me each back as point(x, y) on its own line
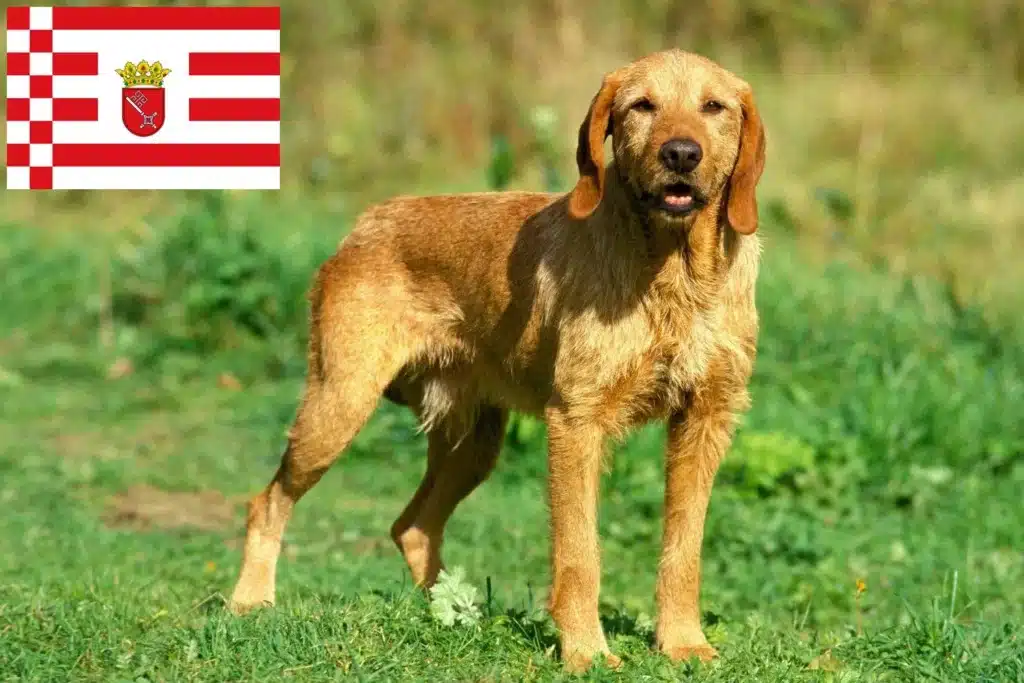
point(143, 98)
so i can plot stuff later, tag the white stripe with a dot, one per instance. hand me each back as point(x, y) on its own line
point(17, 87)
point(161, 45)
point(40, 18)
point(17, 41)
point(17, 132)
point(40, 64)
point(40, 155)
point(40, 109)
point(175, 130)
point(182, 86)
point(164, 178)
point(17, 177)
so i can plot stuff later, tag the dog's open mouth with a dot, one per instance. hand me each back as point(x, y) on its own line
point(679, 199)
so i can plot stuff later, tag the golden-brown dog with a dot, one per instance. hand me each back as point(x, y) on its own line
point(627, 300)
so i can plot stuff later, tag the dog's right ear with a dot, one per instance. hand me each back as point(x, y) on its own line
point(597, 125)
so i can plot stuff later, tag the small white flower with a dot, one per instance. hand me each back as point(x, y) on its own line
point(452, 601)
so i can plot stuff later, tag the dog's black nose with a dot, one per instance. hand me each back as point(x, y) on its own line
point(681, 155)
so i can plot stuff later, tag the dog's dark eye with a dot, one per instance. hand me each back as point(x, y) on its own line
point(643, 105)
point(712, 107)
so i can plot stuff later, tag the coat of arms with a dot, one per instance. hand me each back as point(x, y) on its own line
point(142, 97)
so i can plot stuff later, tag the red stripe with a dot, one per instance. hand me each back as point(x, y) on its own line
point(64, 64)
point(133, 154)
point(17, 109)
point(40, 40)
point(17, 154)
point(76, 109)
point(234, 109)
point(17, 19)
point(17, 64)
point(75, 64)
point(40, 132)
point(234, 64)
point(40, 178)
point(167, 18)
point(40, 87)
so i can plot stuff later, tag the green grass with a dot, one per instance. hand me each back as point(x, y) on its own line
point(885, 445)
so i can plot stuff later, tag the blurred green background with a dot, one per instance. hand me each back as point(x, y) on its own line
point(152, 350)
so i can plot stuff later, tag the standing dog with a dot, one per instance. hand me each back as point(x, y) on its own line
point(628, 300)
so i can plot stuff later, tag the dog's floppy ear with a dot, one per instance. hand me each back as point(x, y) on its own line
point(597, 125)
point(741, 209)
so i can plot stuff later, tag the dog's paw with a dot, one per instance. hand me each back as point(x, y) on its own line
point(239, 607)
point(243, 602)
point(682, 653)
point(579, 661)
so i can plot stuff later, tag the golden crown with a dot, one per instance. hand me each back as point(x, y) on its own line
point(143, 73)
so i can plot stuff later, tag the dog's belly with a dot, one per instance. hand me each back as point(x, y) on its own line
point(450, 395)
point(618, 376)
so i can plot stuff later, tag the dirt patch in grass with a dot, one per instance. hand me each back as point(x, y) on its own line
point(76, 445)
point(375, 546)
point(155, 433)
point(143, 508)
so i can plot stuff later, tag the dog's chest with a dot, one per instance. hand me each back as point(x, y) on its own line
point(681, 346)
point(646, 369)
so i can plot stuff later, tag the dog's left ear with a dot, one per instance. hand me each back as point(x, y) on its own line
point(741, 209)
point(597, 125)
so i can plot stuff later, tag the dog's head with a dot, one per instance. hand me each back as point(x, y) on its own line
point(686, 135)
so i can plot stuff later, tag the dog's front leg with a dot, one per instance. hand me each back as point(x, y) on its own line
point(696, 444)
point(574, 460)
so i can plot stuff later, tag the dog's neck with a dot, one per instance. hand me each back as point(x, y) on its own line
point(667, 253)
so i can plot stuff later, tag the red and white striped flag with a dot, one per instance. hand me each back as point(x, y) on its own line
point(143, 98)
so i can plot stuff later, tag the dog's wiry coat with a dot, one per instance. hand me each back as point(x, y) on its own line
point(599, 310)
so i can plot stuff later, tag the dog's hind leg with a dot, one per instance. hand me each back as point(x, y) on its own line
point(455, 467)
point(329, 418)
point(356, 348)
